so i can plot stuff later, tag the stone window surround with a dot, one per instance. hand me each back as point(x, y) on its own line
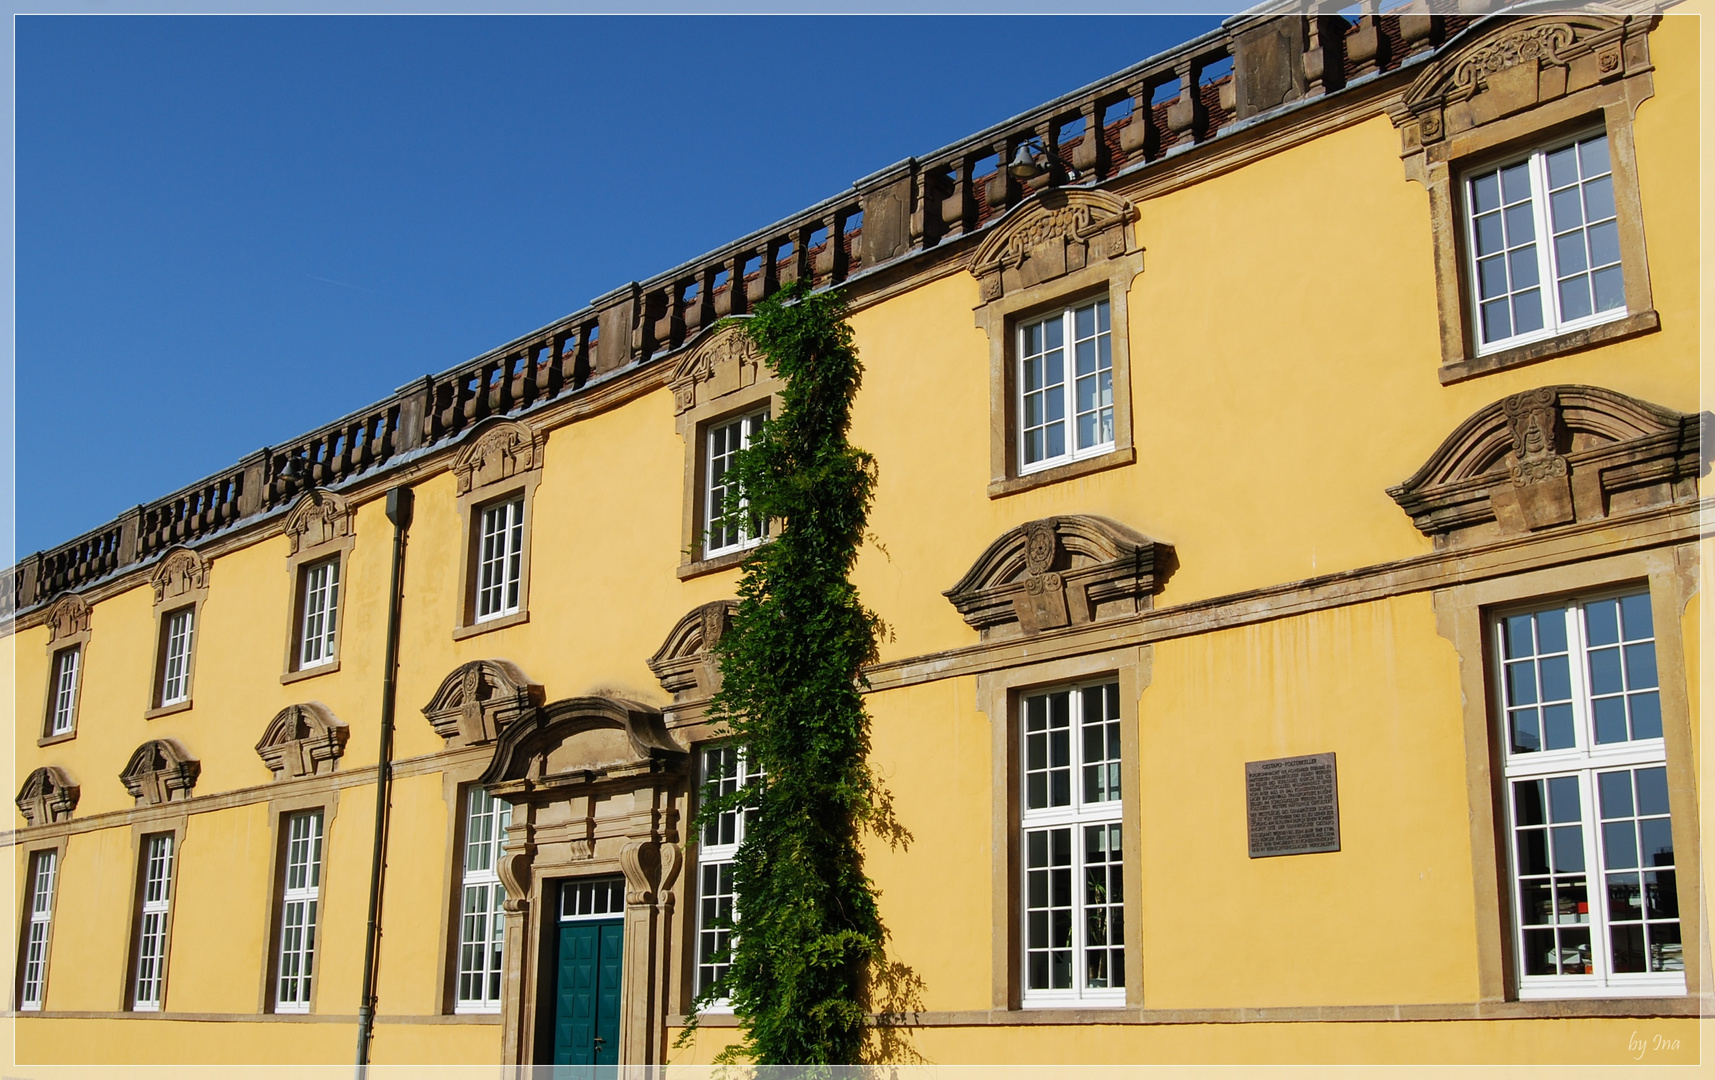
point(192, 573)
point(1463, 616)
point(279, 809)
point(140, 833)
point(999, 697)
point(1000, 320)
point(471, 506)
point(27, 897)
point(336, 543)
point(68, 628)
point(1441, 164)
point(694, 424)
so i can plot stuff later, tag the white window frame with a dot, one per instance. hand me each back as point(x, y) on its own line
point(748, 531)
point(1546, 263)
point(1079, 820)
point(33, 978)
point(1578, 768)
point(482, 922)
point(586, 899)
point(179, 632)
point(1100, 377)
point(500, 559)
point(149, 982)
point(300, 902)
point(730, 769)
point(317, 633)
point(68, 664)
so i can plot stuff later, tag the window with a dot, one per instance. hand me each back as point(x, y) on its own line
point(726, 769)
point(500, 560)
point(1544, 239)
point(1073, 887)
point(481, 921)
point(729, 531)
point(1594, 891)
point(299, 899)
point(1065, 386)
point(152, 922)
point(40, 915)
point(316, 638)
point(176, 656)
point(62, 693)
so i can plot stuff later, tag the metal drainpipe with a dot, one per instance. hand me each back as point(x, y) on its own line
point(399, 502)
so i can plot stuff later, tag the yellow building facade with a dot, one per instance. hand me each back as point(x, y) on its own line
point(1287, 539)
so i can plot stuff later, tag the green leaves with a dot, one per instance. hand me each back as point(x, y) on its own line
point(808, 934)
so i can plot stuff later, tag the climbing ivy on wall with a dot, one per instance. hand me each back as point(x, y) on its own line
point(809, 944)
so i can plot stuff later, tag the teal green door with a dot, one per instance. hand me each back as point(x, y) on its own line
point(586, 1004)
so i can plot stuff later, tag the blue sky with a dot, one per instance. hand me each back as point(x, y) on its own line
point(232, 230)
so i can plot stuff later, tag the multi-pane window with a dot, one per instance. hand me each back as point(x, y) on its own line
point(481, 921)
point(62, 707)
point(152, 922)
point(726, 769)
point(1074, 895)
point(176, 656)
point(500, 559)
point(1545, 244)
point(321, 610)
point(34, 977)
point(299, 899)
point(1065, 387)
point(729, 528)
point(1595, 895)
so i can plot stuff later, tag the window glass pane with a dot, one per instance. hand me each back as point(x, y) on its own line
point(1593, 156)
point(1515, 182)
point(1562, 167)
point(1486, 192)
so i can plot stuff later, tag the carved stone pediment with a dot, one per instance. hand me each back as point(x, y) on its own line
point(160, 771)
point(1552, 456)
point(1511, 65)
point(67, 618)
point(725, 361)
point(317, 518)
point(496, 450)
point(1049, 235)
point(586, 740)
point(1058, 572)
point(684, 664)
point(479, 700)
point(48, 795)
point(180, 573)
point(303, 740)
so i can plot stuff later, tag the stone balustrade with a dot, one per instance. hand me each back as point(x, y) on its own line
point(1161, 107)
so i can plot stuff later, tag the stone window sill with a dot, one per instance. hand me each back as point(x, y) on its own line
point(168, 710)
point(709, 566)
point(514, 619)
point(1124, 455)
point(50, 740)
point(309, 672)
point(1630, 326)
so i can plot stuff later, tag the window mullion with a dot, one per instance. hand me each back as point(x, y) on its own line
point(1546, 265)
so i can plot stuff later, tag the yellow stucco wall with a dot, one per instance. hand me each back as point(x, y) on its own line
point(1268, 422)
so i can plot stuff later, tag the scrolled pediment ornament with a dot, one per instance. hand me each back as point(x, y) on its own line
point(1505, 66)
point(724, 361)
point(48, 795)
point(1049, 235)
point(496, 450)
point(480, 699)
point(68, 617)
point(180, 572)
point(160, 771)
point(1553, 456)
point(319, 517)
point(684, 663)
point(303, 740)
point(1058, 572)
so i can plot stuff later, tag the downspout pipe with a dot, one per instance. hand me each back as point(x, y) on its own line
point(399, 504)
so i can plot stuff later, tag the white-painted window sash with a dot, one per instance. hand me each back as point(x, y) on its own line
point(739, 530)
point(66, 664)
point(316, 644)
point(152, 923)
point(1065, 386)
point(731, 769)
point(482, 922)
point(176, 665)
point(300, 897)
point(500, 560)
point(35, 976)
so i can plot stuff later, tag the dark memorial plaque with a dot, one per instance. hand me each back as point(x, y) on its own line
point(1293, 806)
